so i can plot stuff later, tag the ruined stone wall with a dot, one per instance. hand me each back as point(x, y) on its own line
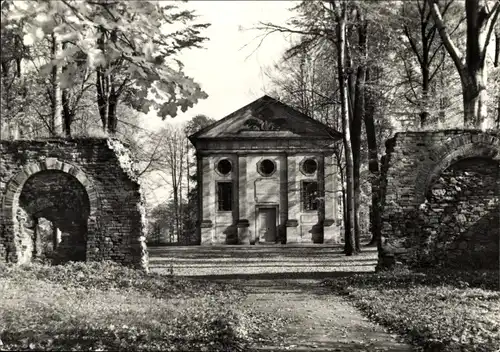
point(58, 196)
point(81, 185)
point(441, 199)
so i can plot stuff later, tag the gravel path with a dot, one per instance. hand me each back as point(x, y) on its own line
point(321, 321)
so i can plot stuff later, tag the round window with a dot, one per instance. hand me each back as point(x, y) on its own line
point(224, 166)
point(267, 167)
point(309, 166)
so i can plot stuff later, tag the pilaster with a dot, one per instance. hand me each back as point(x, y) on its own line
point(330, 232)
point(292, 223)
point(242, 223)
point(207, 200)
point(318, 230)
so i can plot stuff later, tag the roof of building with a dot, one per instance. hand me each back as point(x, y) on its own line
point(264, 118)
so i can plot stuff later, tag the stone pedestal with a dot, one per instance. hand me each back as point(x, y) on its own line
point(206, 232)
point(243, 231)
point(331, 232)
point(292, 231)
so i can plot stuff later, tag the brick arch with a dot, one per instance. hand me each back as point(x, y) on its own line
point(15, 186)
point(456, 149)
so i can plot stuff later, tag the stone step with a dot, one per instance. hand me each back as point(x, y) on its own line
point(255, 260)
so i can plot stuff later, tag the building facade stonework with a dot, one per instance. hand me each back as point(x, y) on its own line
point(267, 174)
point(77, 199)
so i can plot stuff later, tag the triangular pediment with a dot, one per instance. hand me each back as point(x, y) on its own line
point(263, 118)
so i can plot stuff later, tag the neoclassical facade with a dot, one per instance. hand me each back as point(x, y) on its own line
point(267, 174)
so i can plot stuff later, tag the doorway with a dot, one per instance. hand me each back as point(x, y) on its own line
point(266, 225)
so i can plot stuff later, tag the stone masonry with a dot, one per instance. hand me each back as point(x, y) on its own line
point(84, 187)
point(440, 200)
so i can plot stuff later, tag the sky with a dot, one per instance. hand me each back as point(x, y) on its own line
point(229, 68)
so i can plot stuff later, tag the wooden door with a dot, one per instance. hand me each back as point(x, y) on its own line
point(267, 224)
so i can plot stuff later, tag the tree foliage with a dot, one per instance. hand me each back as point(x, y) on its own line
point(130, 46)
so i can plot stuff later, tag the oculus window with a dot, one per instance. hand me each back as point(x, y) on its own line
point(266, 167)
point(224, 167)
point(309, 166)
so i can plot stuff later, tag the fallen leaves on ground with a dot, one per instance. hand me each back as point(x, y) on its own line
point(437, 310)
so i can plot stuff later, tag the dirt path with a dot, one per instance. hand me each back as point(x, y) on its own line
point(322, 320)
point(285, 280)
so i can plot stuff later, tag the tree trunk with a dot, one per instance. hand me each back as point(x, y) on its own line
point(371, 138)
point(356, 123)
point(113, 94)
point(102, 85)
point(340, 167)
point(475, 97)
point(56, 106)
point(473, 75)
point(354, 92)
point(424, 112)
point(480, 24)
point(498, 113)
point(102, 95)
point(18, 44)
point(496, 63)
point(188, 173)
point(425, 66)
point(112, 103)
point(349, 248)
point(180, 215)
point(67, 114)
point(175, 190)
point(174, 177)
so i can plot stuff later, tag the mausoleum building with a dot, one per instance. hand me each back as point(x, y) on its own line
point(267, 174)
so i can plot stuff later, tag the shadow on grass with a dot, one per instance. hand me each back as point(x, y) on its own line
point(485, 279)
point(320, 346)
point(277, 278)
point(322, 282)
point(116, 340)
point(265, 283)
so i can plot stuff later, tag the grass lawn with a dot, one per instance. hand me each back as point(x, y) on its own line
point(102, 306)
point(437, 310)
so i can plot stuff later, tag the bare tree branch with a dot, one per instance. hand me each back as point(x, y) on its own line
point(490, 24)
point(447, 41)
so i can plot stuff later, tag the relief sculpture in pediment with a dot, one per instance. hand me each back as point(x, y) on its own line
point(262, 125)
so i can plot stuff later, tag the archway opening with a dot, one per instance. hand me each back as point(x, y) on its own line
point(52, 217)
point(463, 215)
